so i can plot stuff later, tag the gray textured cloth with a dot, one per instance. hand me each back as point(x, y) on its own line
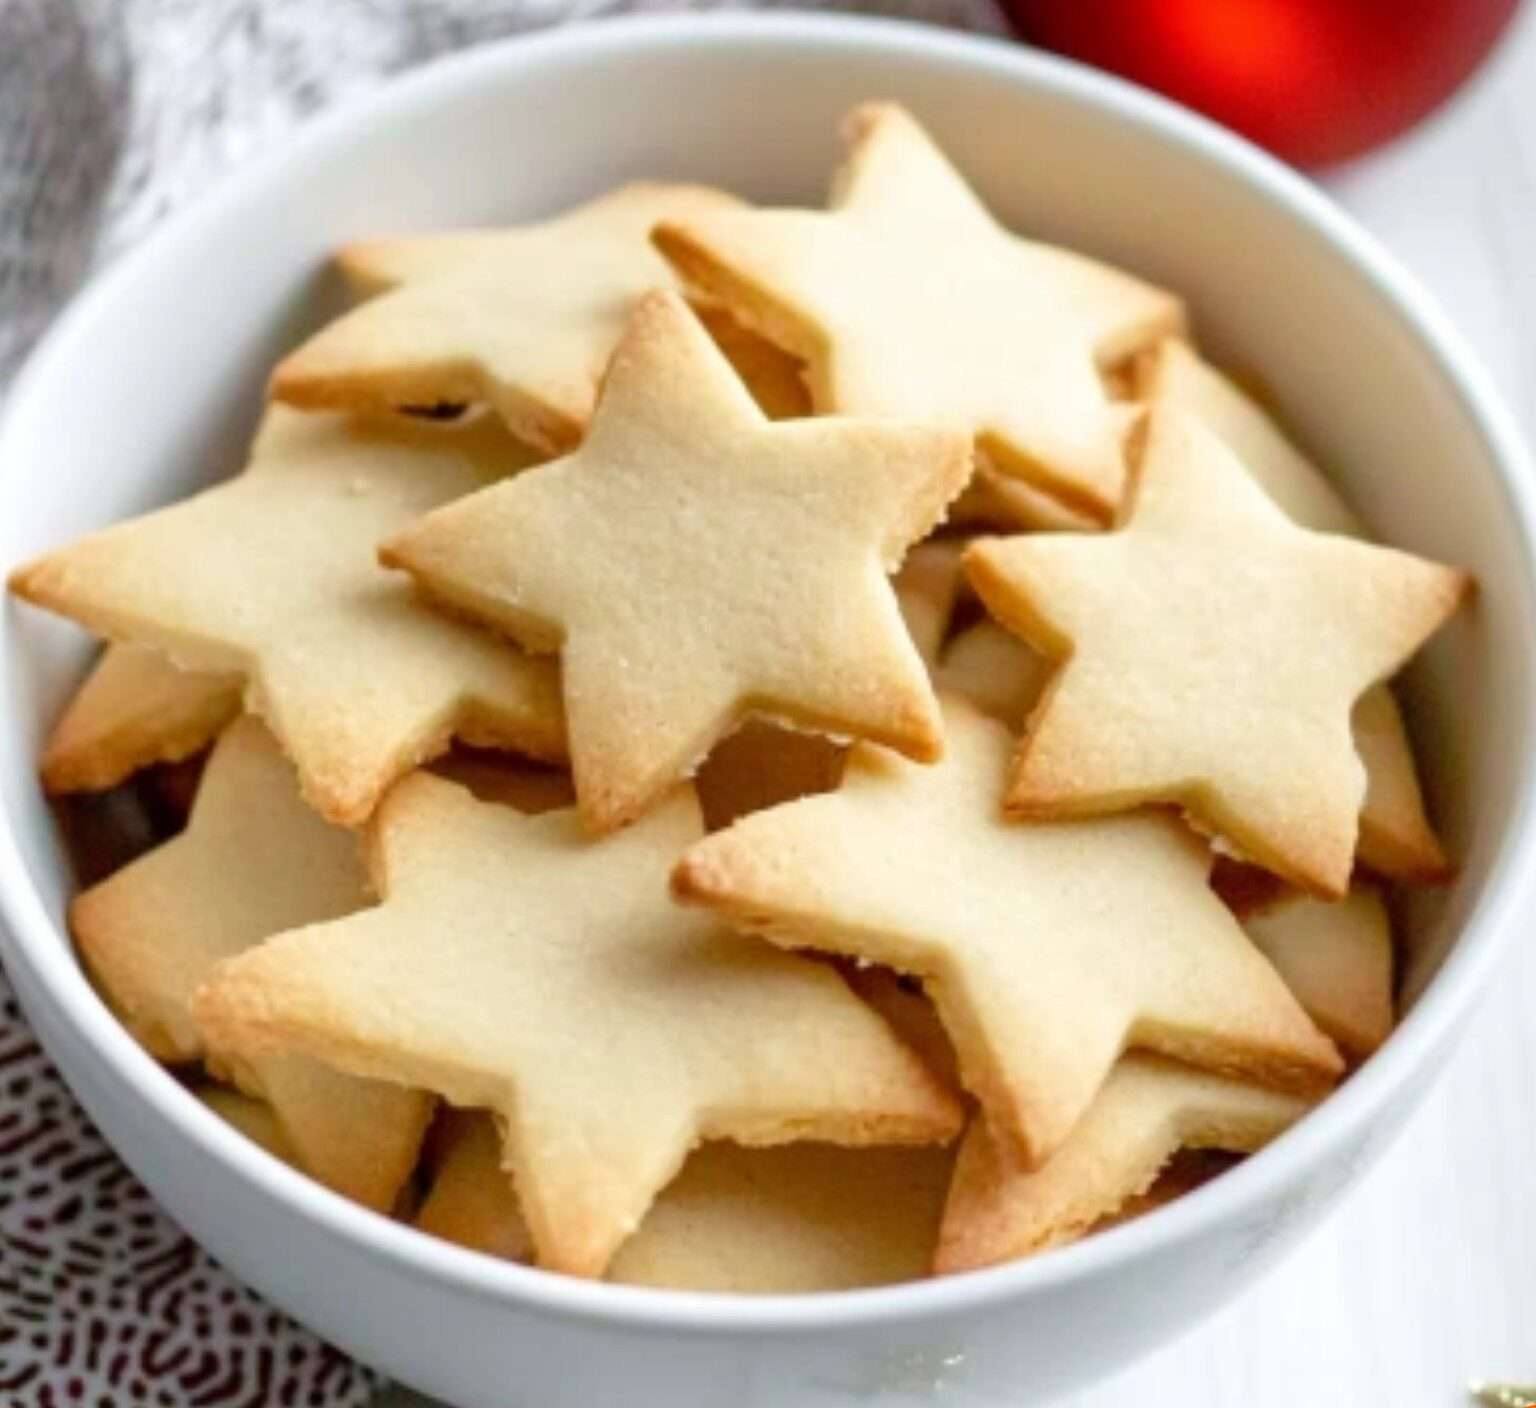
point(115, 112)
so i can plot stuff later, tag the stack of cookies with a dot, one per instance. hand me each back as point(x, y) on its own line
point(754, 749)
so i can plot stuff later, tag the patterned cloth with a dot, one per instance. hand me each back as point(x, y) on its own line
point(112, 114)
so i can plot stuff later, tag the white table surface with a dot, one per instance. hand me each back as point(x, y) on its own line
point(1425, 1278)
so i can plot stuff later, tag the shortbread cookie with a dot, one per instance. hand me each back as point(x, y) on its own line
point(1186, 1171)
point(1173, 374)
point(523, 319)
point(900, 999)
point(252, 1117)
point(927, 587)
point(993, 500)
point(902, 1003)
point(801, 1218)
point(761, 765)
point(274, 576)
point(996, 671)
point(607, 1029)
point(1146, 1112)
point(470, 1199)
point(1337, 959)
point(253, 860)
point(1212, 654)
point(683, 597)
point(1046, 949)
point(775, 379)
point(908, 299)
point(135, 708)
point(797, 1219)
point(1396, 838)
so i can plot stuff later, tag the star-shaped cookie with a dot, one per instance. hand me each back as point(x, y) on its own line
point(1336, 958)
point(1213, 653)
point(523, 319)
point(788, 1220)
point(273, 576)
point(607, 1029)
point(253, 860)
point(906, 298)
point(994, 670)
point(1047, 949)
point(133, 709)
point(1148, 1110)
point(695, 563)
point(1396, 838)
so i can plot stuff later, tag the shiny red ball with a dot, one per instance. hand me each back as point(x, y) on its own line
point(1316, 81)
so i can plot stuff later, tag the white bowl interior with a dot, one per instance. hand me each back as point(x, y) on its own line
point(151, 386)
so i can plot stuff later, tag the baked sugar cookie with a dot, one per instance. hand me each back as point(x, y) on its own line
point(1396, 838)
point(273, 576)
point(252, 1117)
point(1173, 374)
point(523, 319)
point(907, 299)
point(608, 1029)
point(927, 587)
point(1337, 959)
point(695, 563)
point(775, 379)
point(1212, 653)
point(470, 1200)
point(135, 708)
point(788, 1220)
point(1046, 949)
point(1148, 1110)
point(995, 670)
point(997, 501)
point(253, 860)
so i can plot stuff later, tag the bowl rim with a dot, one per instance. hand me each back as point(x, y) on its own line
point(32, 943)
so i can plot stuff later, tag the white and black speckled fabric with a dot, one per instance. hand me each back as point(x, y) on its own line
point(115, 112)
point(112, 114)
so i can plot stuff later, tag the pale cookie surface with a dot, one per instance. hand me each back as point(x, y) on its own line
point(1396, 838)
point(927, 587)
point(1148, 1110)
point(995, 670)
point(1046, 949)
point(1212, 655)
point(1337, 959)
point(608, 1029)
point(252, 1117)
point(906, 298)
point(796, 1219)
point(775, 379)
point(694, 563)
point(999, 501)
point(523, 319)
point(274, 576)
point(133, 709)
point(252, 861)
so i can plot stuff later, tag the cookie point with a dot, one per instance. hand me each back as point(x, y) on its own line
point(865, 120)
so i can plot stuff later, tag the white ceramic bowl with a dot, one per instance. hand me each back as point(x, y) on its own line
point(149, 385)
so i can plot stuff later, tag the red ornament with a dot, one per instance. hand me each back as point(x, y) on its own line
point(1315, 81)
